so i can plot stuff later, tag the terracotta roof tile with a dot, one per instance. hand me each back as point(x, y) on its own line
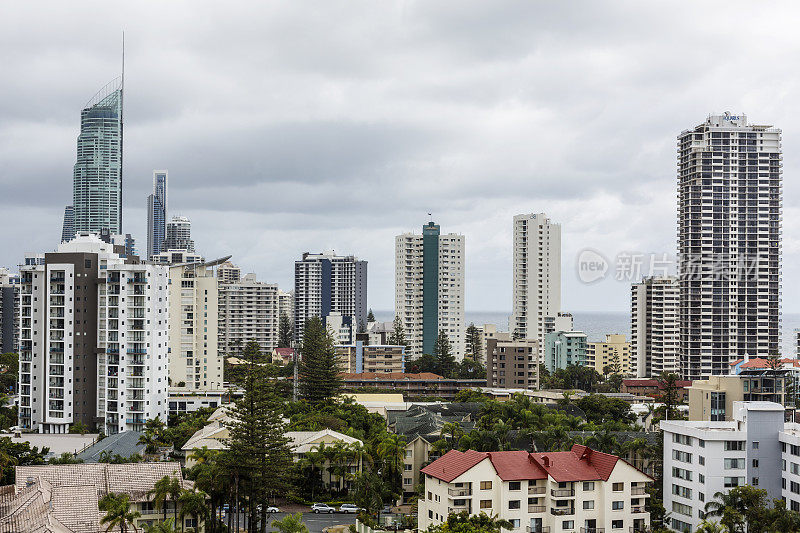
point(513, 466)
point(453, 464)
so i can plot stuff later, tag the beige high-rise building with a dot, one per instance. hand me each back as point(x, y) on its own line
point(248, 310)
point(654, 326)
point(616, 350)
point(286, 304)
point(537, 276)
point(227, 272)
point(194, 360)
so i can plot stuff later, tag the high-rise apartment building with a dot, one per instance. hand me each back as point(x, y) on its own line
point(176, 257)
point(68, 226)
point(286, 304)
point(328, 283)
point(512, 364)
point(157, 213)
point(9, 311)
point(729, 243)
point(537, 275)
point(654, 326)
point(194, 359)
point(227, 272)
point(93, 339)
point(97, 175)
point(179, 235)
point(248, 310)
point(429, 289)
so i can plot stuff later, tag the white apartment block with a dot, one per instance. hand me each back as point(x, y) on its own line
point(328, 283)
point(248, 310)
point(429, 289)
point(195, 362)
point(581, 490)
point(729, 243)
point(93, 339)
point(286, 304)
point(654, 326)
point(537, 275)
point(702, 458)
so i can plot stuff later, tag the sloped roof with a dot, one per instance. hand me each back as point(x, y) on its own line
point(304, 441)
point(579, 464)
point(654, 383)
point(124, 444)
point(284, 351)
point(760, 362)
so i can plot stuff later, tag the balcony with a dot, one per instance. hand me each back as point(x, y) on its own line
point(540, 529)
point(135, 420)
point(638, 509)
point(562, 511)
point(638, 491)
point(537, 490)
point(460, 492)
point(537, 508)
point(562, 493)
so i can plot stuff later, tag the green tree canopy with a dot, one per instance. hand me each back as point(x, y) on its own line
point(319, 376)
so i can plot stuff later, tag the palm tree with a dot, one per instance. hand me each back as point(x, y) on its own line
point(193, 503)
point(118, 512)
point(175, 489)
point(160, 493)
point(291, 523)
point(167, 526)
point(710, 527)
point(152, 435)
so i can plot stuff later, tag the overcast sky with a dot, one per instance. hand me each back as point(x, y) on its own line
point(304, 126)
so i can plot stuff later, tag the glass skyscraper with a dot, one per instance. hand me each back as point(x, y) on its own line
point(157, 214)
point(97, 176)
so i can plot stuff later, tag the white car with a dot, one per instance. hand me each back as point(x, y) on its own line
point(349, 508)
point(322, 508)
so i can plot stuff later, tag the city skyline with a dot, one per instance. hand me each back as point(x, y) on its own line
point(474, 151)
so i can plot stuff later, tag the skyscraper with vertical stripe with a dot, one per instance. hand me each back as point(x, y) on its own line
point(97, 175)
point(157, 214)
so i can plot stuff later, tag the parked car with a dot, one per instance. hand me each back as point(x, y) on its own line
point(270, 509)
point(322, 508)
point(350, 508)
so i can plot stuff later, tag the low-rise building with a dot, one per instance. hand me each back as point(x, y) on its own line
point(611, 356)
point(654, 387)
point(563, 348)
point(360, 357)
point(578, 490)
point(512, 364)
point(423, 384)
point(283, 356)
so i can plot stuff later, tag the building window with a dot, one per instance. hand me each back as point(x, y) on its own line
point(616, 524)
point(755, 444)
point(514, 485)
point(486, 485)
point(568, 524)
point(734, 464)
point(701, 460)
point(588, 486)
point(734, 446)
point(681, 508)
point(407, 481)
point(486, 504)
point(755, 482)
point(701, 478)
point(755, 463)
point(588, 504)
point(730, 482)
point(513, 504)
point(617, 505)
point(618, 487)
point(514, 523)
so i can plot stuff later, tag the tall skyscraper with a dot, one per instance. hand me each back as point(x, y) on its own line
point(157, 214)
point(537, 276)
point(248, 310)
point(9, 311)
point(729, 243)
point(93, 339)
point(179, 235)
point(97, 175)
point(68, 226)
point(429, 288)
point(654, 326)
point(328, 283)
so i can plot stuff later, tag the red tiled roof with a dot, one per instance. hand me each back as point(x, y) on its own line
point(654, 383)
point(453, 464)
point(578, 464)
point(760, 362)
point(284, 351)
point(392, 375)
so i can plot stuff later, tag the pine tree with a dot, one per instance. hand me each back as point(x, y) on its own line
point(320, 381)
point(258, 454)
point(285, 331)
point(474, 342)
point(398, 336)
point(370, 316)
point(445, 362)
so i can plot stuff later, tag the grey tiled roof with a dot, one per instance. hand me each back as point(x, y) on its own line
point(125, 444)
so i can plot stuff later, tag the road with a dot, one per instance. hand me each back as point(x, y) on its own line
point(315, 522)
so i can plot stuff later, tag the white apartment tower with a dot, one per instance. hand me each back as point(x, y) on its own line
point(654, 326)
point(248, 310)
point(93, 339)
point(537, 276)
point(194, 360)
point(179, 235)
point(729, 243)
point(328, 283)
point(429, 289)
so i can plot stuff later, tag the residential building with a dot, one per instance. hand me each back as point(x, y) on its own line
point(93, 339)
point(578, 490)
point(655, 388)
point(429, 289)
point(729, 243)
point(68, 226)
point(564, 348)
point(283, 356)
point(178, 235)
point(341, 328)
point(420, 385)
point(360, 357)
point(537, 275)
point(797, 342)
point(328, 283)
point(512, 364)
point(227, 272)
point(248, 310)
point(64, 498)
point(380, 332)
point(559, 322)
point(702, 458)
point(126, 241)
point(9, 311)
point(614, 354)
point(183, 401)
point(123, 444)
point(654, 326)
point(97, 175)
point(157, 214)
point(176, 257)
point(195, 362)
point(286, 304)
